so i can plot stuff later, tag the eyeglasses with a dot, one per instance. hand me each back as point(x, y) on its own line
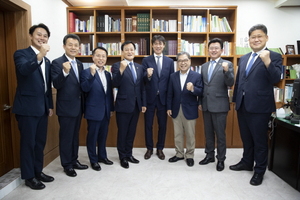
point(256, 37)
point(214, 48)
point(181, 61)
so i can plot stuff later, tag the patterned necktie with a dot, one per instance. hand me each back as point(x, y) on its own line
point(132, 72)
point(158, 65)
point(73, 63)
point(211, 69)
point(250, 63)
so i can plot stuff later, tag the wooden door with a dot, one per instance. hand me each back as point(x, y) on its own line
point(6, 161)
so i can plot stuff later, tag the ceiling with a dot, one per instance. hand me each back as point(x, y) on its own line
point(277, 3)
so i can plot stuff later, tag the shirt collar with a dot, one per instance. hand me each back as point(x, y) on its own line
point(70, 58)
point(185, 73)
point(217, 60)
point(259, 52)
point(35, 50)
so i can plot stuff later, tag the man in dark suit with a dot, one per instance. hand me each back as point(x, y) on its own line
point(217, 76)
point(254, 101)
point(33, 104)
point(159, 68)
point(97, 84)
point(185, 87)
point(65, 72)
point(130, 101)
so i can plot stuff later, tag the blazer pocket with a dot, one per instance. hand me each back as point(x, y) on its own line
point(221, 95)
point(122, 96)
point(264, 92)
point(28, 93)
point(193, 103)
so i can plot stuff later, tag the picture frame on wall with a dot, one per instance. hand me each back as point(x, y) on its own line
point(290, 49)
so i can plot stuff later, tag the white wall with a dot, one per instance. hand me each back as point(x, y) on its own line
point(53, 14)
point(282, 23)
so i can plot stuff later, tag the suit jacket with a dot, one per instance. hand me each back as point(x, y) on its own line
point(30, 98)
point(98, 104)
point(187, 99)
point(257, 87)
point(156, 83)
point(215, 94)
point(128, 92)
point(69, 101)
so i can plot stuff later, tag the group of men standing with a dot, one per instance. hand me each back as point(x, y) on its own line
point(152, 87)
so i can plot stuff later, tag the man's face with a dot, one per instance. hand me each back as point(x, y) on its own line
point(71, 47)
point(214, 50)
point(184, 63)
point(39, 37)
point(128, 52)
point(100, 58)
point(158, 47)
point(258, 40)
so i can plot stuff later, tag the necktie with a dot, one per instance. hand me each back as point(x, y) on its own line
point(158, 65)
point(211, 69)
point(73, 63)
point(132, 72)
point(250, 63)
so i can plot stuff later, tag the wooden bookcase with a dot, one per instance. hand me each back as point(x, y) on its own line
point(161, 13)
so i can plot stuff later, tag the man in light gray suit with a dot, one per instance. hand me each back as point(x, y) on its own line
point(217, 76)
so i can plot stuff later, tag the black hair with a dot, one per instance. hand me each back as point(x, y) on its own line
point(159, 38)
point(40, 25)
point(218, 40)
point(102, 48)
point(127, 42)
point(261, 27)
point(73, 36)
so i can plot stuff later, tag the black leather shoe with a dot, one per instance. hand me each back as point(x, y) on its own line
point(206, 160)
point(106, 161)
point(256, 179)
point(96, 166)
point(132, 159)
point(175, 159)
point(190, 162)
point(148, 154)
point(240, 166)
point(124, 163)
point(160, 154)
point(34, 184)
point(220, 166)
point(78, 165)
point(44, 178)
point(70, 172)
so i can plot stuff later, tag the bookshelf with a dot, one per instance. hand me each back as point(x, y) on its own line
point(186, 21)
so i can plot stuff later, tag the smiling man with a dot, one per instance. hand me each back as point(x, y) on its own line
point(185, 87)
point(217, 76)
point(96, 82)
point(159, 68)
point(254, 101)
point(130, 101)
point(33, 104)
point(65, 72)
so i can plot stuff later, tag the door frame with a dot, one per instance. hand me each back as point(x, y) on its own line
point(17, 20)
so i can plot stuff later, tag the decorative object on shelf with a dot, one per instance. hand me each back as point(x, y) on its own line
point(290, 49)
point(296, 67)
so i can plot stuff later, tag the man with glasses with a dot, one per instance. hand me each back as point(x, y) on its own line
point(217, 75)
point(254, 101)
point(185, 86)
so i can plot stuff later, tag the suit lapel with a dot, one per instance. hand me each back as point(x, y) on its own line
point(217, 67)
point(243, 65)
point(257, 61)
